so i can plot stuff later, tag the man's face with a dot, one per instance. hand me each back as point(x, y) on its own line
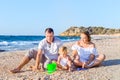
point(49, 36)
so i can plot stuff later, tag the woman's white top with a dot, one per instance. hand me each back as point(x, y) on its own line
point(84, 53)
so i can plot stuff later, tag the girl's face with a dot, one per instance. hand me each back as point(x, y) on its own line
point(84, 38)
point(63, 53)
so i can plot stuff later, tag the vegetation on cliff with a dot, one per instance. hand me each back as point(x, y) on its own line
point(75, 31)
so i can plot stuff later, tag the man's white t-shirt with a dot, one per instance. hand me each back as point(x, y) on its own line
point(50, 50)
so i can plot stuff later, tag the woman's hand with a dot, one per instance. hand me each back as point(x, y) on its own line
point(84, 64)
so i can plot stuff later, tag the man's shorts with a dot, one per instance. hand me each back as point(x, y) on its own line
point(32, 53)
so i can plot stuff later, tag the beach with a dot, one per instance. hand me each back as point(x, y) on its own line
point(109, 70)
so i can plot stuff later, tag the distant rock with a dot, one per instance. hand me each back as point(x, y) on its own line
point(75, 31)
point(2, 50)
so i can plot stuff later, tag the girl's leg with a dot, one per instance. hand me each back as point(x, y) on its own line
point(70, 66)
point(60, 67)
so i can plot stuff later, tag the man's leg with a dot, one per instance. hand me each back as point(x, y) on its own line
point(31, 54)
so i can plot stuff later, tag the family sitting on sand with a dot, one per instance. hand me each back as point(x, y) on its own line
point(50, 49)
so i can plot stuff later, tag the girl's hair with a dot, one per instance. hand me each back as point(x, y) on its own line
point(87, 34)
point(63, 50)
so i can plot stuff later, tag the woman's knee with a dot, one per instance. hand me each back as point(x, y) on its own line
point(102, 57)
point(76, 63)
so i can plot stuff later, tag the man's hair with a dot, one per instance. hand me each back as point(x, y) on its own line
point(49, 30)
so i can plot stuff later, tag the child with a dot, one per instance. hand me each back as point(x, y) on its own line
point(64, 60)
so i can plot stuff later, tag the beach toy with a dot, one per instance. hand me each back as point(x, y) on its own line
point(51, 67)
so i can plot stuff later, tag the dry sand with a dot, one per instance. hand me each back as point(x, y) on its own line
point(110, 70)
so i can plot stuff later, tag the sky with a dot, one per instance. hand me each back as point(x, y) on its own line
point(32, 17)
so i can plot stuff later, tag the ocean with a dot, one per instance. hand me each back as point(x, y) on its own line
point(13, 43)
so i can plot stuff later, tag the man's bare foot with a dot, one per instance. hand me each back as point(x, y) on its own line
point(16, 70)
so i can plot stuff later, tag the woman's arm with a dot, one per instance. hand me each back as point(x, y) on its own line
point(92, 55)
point(91, 58)
point(74, 54)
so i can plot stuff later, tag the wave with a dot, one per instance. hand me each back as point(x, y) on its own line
point(5, 43)
point(16, 43)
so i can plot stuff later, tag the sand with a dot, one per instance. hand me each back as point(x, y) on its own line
point(110, 70)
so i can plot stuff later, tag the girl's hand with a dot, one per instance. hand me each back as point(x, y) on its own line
point(83, 64)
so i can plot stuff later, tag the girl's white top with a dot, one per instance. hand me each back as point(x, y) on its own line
point(63, 61)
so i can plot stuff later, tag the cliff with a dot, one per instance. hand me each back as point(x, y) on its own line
point(75, 31)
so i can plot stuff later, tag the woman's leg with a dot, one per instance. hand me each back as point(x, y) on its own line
point(98, 61)
point(77, 63)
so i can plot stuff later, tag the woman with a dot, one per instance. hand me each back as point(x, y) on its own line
point(85, 53)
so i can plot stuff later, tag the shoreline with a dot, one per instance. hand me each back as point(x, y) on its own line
point(93, 37)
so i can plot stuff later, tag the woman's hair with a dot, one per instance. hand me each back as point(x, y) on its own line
point(63, 50)
point(87, 34)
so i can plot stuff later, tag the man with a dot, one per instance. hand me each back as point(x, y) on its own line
point(47, 52)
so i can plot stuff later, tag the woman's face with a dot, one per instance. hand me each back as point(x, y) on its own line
point(84, 38)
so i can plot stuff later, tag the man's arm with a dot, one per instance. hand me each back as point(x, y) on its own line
point(38, 59)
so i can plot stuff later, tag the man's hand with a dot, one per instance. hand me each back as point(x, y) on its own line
point(34, 68)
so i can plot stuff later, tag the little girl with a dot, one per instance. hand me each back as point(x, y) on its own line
point(64, 60)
